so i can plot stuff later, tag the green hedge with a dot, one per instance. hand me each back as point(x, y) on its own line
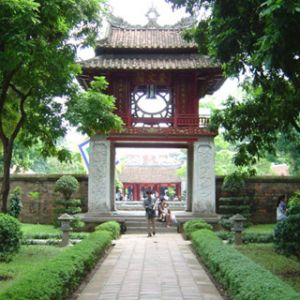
point(247, 237)
point(111, 226)
point(193, 225)
point(242, 278)
point(47, 236)
point(59, 277)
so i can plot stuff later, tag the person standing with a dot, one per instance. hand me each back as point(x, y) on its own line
point(281, 208)
point(149, 205)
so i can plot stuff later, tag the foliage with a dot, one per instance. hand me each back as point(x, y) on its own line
point(10, 237)
point(286, 236)
point(195, 224)
point(261, 228)
point(234, 182)
point(294, 200)
point(294, 210)
point(48, 236)
point(92, 111)
point(15, 203)
point(251, 237)
point(261, 46)
point(112, 227)
point(287, 268)
point(59, 277)
point(37, 64)
point(52, 165)
point(247, 237)
point(67, 185)
point(239, 276)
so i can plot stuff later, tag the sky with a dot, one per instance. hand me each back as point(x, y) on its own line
point(134, 12)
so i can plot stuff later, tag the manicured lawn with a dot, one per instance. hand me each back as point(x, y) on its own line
point(288, 269)
point(25, 261)
point(261, 228)
point(39, 228)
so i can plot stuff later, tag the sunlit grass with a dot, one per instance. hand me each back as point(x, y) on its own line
point(24, 262)
point(39, 228)
point(261, 228)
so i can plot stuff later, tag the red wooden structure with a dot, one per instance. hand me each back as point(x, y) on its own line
point(157, 79)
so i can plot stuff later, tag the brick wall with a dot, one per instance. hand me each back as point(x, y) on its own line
point(39, 209)
point(263, 192)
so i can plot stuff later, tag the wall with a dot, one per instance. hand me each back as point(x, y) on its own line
point(263, 192)
point(39, 209)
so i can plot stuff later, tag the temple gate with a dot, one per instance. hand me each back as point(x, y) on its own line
point(157, 79)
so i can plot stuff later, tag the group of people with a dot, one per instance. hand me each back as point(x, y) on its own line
point(153, 204)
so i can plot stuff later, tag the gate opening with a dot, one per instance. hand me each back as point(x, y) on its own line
point(161, 170)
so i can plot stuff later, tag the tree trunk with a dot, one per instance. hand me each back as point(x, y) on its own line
point(7, 156)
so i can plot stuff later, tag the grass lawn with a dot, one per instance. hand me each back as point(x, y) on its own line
point(288, 269)
point(261, 228)
point(24, 262)
point(39, 228)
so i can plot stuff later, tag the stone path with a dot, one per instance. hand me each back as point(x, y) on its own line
point(141, 268)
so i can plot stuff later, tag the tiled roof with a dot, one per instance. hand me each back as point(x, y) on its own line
point(150, 174)
point(145, 38)
point(148, 62)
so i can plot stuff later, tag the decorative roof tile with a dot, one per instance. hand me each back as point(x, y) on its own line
point(148, 62)
point(145, 38)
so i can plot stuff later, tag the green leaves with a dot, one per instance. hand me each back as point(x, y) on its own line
point(37, 64)
point(259, 39)
point(93, 111)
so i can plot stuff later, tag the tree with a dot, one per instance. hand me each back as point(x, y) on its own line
point(37, 63)
point(257, 39)
point(93, 111)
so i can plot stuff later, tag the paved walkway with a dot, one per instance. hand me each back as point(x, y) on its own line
point(141, 268)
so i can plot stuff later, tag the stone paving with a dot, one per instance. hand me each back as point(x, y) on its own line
point(141, 268)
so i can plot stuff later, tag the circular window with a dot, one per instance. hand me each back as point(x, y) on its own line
point(151, 102)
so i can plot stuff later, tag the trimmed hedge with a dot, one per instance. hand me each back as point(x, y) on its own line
point(59, 277)
point(193, 225)
point(47, 236)
point(247, 237)
point(242, 278)
point(111, 226)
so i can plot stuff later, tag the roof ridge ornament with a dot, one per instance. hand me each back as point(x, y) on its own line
point(152, 16)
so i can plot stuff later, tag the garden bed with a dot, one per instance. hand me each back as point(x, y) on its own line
point(287, 268)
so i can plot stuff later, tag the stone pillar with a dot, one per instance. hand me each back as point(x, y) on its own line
point(99, 186)
point(204, 183)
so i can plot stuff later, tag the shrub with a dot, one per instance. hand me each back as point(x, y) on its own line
point(294, 200)
point(287, 236)
point(196, 224)
point(247, 237)
point(60, 276)
point(15, 203)
point(66, 185)
point(252, 237)
point(234, 182)
point(48, 236)
point(10, 237)
point(294, 210)
point(242, 278)
point(112, 227)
